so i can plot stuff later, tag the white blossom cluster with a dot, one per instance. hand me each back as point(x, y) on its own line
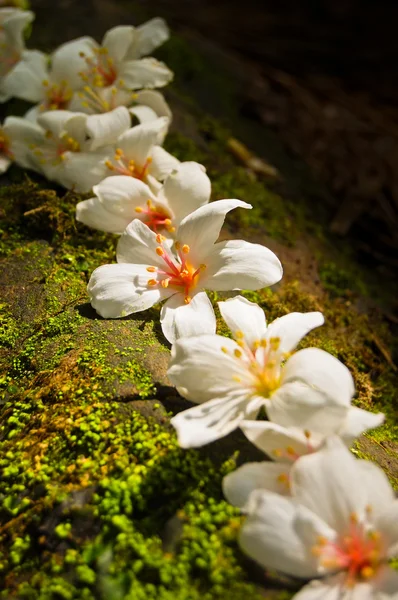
point(313, 511)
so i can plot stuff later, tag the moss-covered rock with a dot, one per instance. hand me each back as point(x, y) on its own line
point(96, 498)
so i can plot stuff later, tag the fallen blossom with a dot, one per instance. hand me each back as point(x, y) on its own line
point(149, 271)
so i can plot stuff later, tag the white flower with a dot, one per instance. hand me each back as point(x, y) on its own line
point(138, 154)
point(49, 81)
point(13, 22)
point(145, 105)
point(341, 524)
point(232, 379)
point(285, 445)
point(118, 63)
point(74, 146)
point(121, 199)
point(15, 137)
point(148, 271)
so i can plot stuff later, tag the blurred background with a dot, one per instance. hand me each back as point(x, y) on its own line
point(322, 75)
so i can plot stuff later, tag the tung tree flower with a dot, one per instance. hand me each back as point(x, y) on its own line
point(285, 445)
point(118, 63)
point(138, 154)
point(15, 136)
point(13, 22)
point(49, 81)
point(232, 379)
point(340, 524)
point(74, 146)
point(120, 199)
point(145, 105)
point(148, 271)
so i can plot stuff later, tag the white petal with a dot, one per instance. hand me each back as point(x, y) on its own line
point(237, 264)
point(4, 163)
point(94, 214)
point(323, 372)
point(119, 290)
point(163, 163)
point(118, 40)
point(244, 316)
point(149, 36)
point(331, 485)
point(291, 328)
point(138, 245)
point(280, 443)
point(357, 421)
point(145, 73)
point(23, 134)
point(312, 380)
point(143, 113)
point(269, 537)
point(326, 589)
point(386, 521)
point(201, 228)
point(211, 420)
point(387, 583)
point(25, 81)
point(204, 370)
point(121, 194)
point(14, 22)
point(137, 143)
point(82, 170)
point(183, 320)
point(186, 189)
point(154, 100)
point(67, 62)
point(60, 122)
point(238, 485)
point(106, 128)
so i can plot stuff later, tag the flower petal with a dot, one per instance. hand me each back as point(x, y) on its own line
point(82, 170)
point(138, 245)
point(331, 485)
point(325, 589)
point(119, 290)
point(137, 143)
point(163, 163)
point(186, 189)
point(237, 264)
point(387, 583)
point(23, 135)
point(118, 40)
point(154, 100)
point(238, 485)
point(67, 62)
point(105, 129)
point(143, 113)
point(121, 194)
point(25, 81)
point(280, 443)
point(14, 22)
point(206, 368)
point(4, 163)
point(244, 316)
point(356, 422)
point(94, 214)
point(211, 420)
point(312, 381)
point(291, 328)
point(145, 73)
point(268, 535)
point(149, 36)
point(201, 228)
point(183, 320)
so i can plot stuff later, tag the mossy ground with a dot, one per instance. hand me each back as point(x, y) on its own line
point(96, 499)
